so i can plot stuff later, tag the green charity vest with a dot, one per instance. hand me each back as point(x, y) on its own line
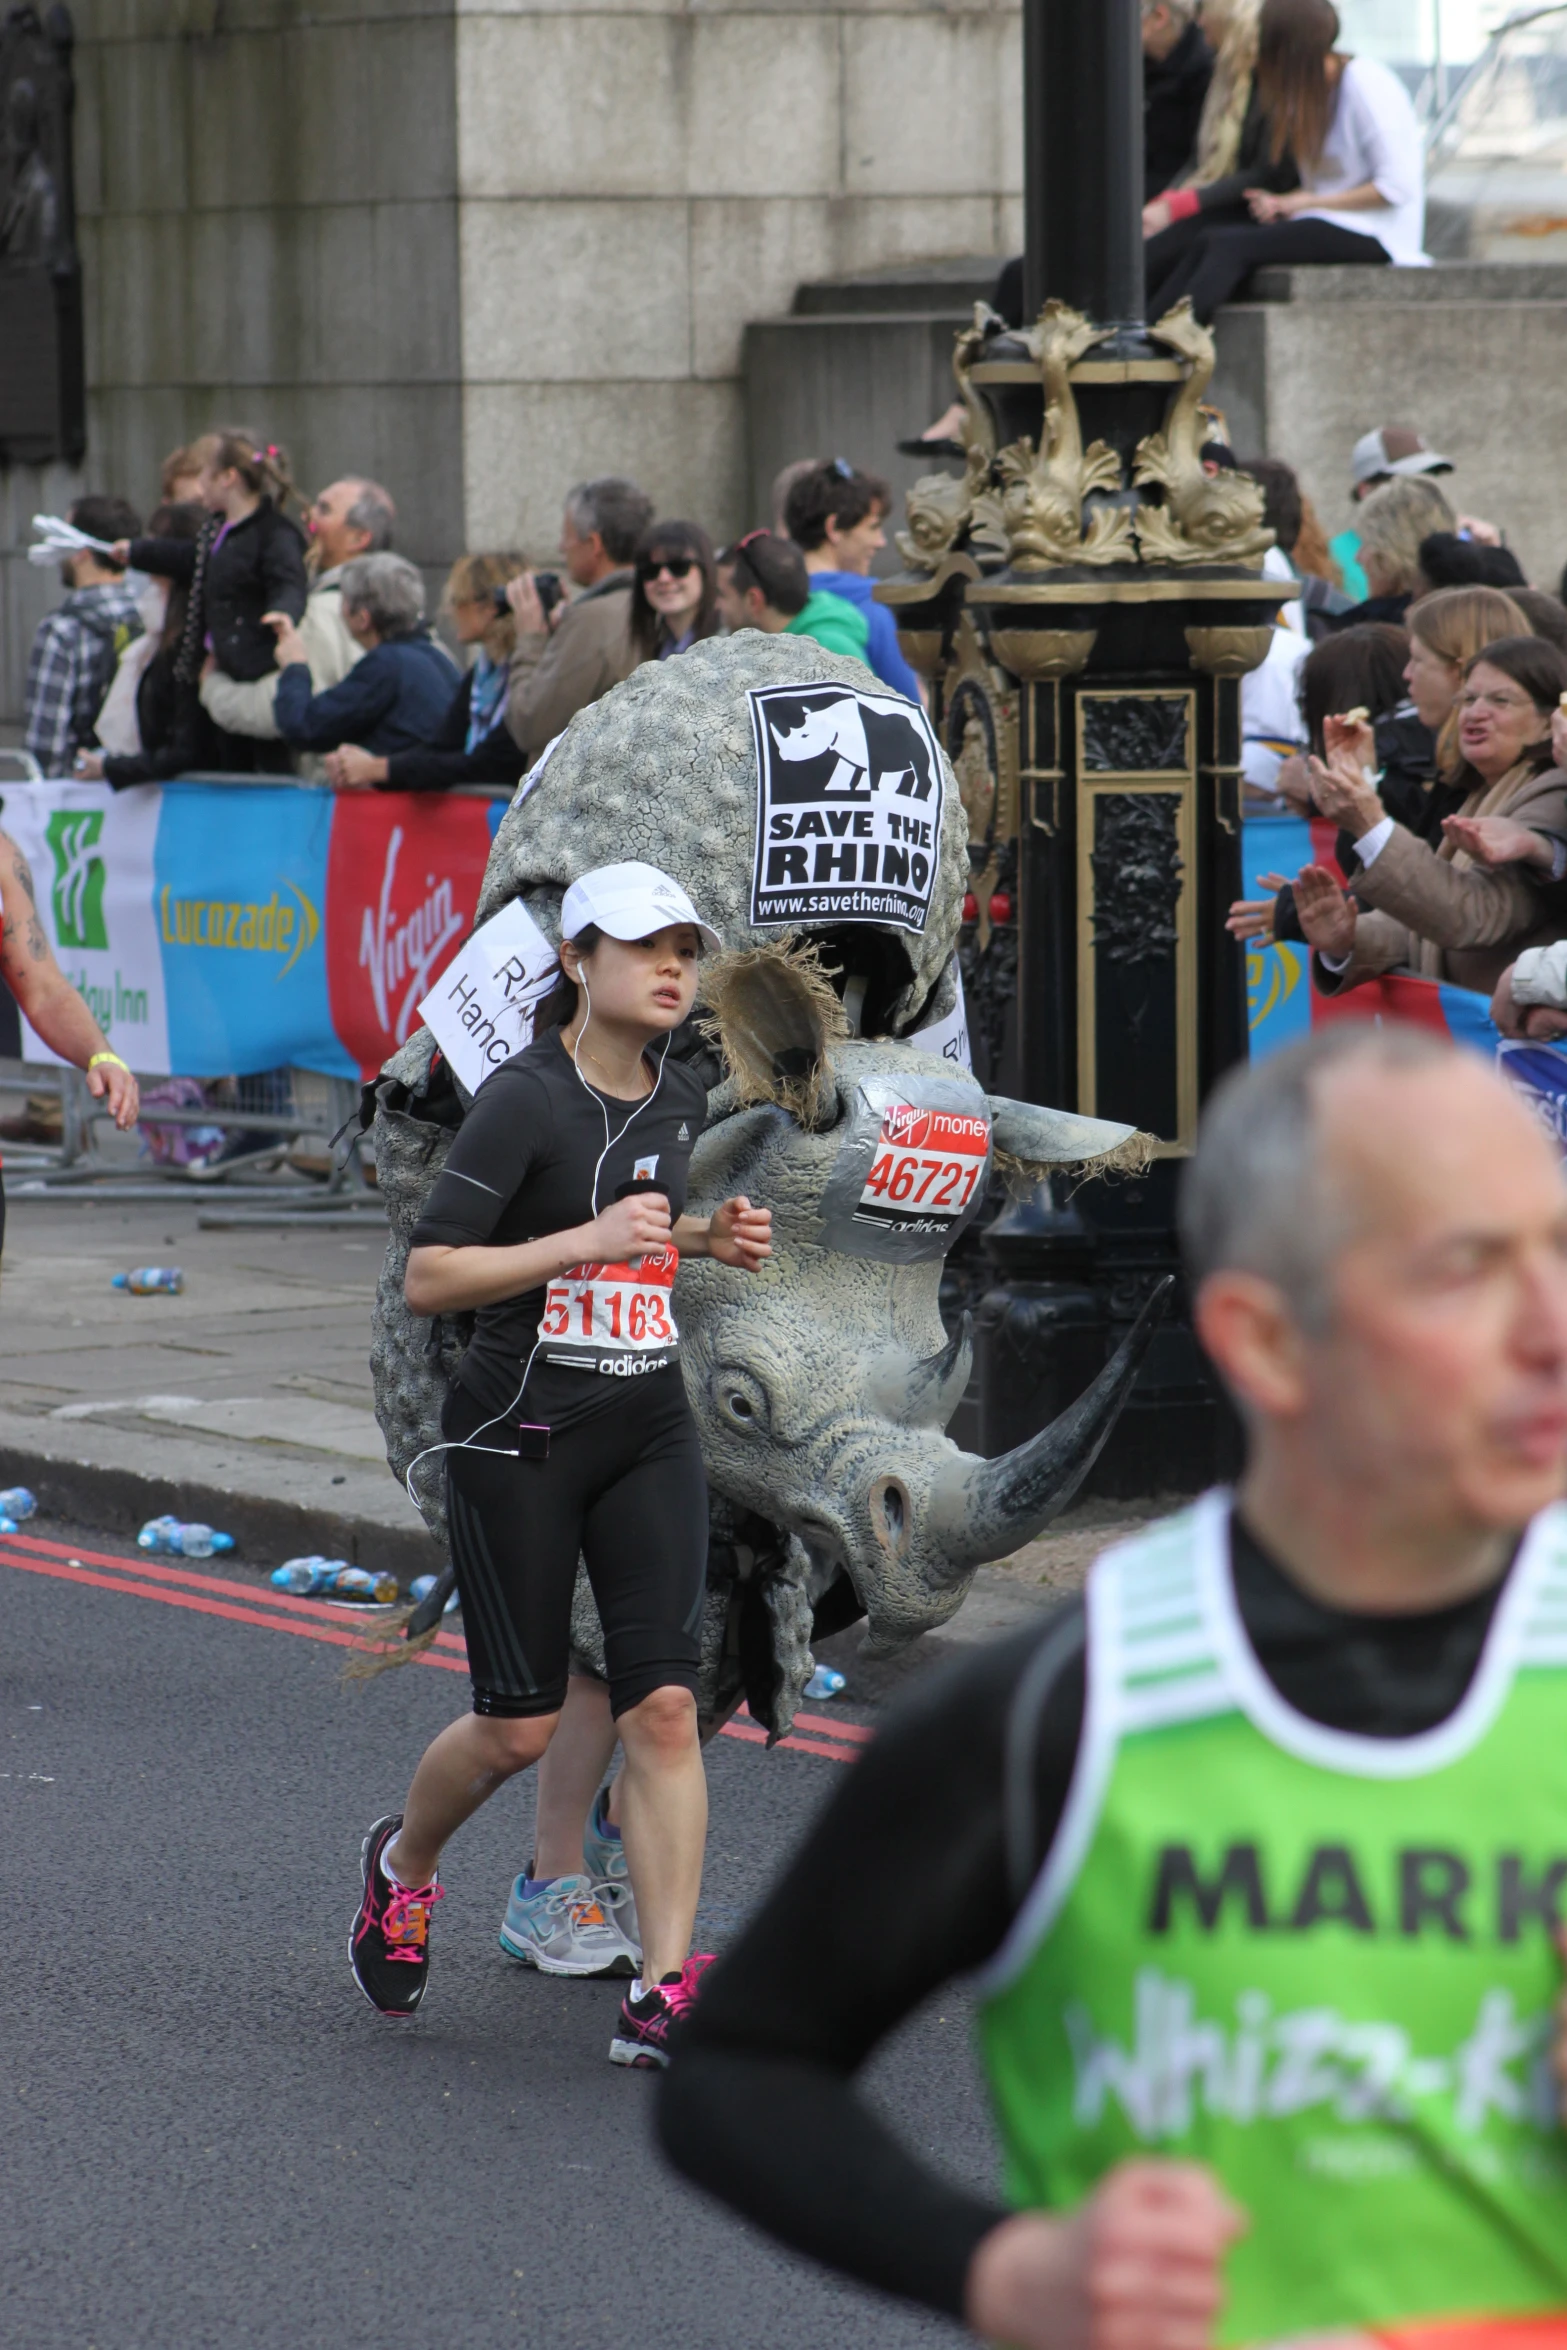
point(1318, 1962)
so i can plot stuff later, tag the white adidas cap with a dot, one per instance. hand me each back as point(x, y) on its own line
point(629, 901)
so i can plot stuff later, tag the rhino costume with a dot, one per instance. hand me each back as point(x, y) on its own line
point(822, 1383)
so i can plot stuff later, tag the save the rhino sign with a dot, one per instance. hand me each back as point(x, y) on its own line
point(848, 807)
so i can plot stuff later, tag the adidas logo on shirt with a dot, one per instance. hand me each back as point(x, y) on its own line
point(685, 1132)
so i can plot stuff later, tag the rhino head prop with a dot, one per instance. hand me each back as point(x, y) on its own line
point(823, 1383)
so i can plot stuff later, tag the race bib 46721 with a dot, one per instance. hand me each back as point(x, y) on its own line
point(616, 1319)
point(925, 1170)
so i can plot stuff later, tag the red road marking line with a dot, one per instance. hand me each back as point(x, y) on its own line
point(155, 1571)
point(205, 1607)
point(855, 1730)
point(278, 1611)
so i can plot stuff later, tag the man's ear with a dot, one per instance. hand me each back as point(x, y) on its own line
point(1254, 1342)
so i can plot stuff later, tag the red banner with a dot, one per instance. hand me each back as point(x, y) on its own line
point(403, 878)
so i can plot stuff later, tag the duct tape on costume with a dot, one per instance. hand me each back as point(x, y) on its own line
point(911, 1171)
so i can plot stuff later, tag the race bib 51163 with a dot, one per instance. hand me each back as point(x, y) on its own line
point(615, 1319)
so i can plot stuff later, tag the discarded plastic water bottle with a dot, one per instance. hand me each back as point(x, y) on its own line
point(9, 1526)
point(316, 1577)
point(304, 1576)
point(421, 1588)
point(16, 1503)
point(152, 1281)
point(824, 1682)
point(171, 1538)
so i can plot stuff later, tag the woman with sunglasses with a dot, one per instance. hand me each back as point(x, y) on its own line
point(675, 599)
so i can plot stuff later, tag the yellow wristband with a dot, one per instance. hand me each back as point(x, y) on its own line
point(99, 1058)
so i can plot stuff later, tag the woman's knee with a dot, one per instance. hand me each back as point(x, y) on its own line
point(662, 1724)
point(513, 1741)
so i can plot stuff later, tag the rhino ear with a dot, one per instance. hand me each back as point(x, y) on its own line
point(1037, 1140)
point(772, 1013)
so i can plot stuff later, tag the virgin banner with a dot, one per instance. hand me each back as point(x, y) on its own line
point(220, 929)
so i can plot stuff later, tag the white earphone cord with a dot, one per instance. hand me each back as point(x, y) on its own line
point(468, 1443)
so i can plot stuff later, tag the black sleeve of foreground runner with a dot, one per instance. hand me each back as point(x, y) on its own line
point(901, 1885)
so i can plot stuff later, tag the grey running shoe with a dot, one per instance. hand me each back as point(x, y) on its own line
point(604, 1858)
point(564, 1929)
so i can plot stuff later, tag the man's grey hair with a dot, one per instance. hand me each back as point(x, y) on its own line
point(372, 511)
point(388, 590)
point(615, 508)
point(1182, 10)
point(1257, 1197)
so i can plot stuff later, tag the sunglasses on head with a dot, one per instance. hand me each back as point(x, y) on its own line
point(677, 566)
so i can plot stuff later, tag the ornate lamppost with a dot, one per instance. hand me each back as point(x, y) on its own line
point(1083, 603)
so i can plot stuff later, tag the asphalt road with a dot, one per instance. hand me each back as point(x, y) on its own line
point(208, 2138)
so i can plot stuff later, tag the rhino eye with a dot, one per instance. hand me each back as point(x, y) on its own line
point(741, 1402)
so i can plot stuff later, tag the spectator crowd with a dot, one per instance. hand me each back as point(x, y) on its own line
point(1414, 695)
point(230, 638)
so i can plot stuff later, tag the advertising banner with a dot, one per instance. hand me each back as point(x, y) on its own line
point(216, 930)
point(848, 807)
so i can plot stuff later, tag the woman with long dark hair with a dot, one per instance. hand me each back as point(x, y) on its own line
point(675, 600)
point(1353, 133)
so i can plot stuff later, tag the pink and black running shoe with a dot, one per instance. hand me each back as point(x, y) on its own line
point(389, 1948)
point(649, 2021)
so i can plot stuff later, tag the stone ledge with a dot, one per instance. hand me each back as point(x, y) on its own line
point(1451, 281)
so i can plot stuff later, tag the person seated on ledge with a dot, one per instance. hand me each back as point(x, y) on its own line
point(472, 743)
point(1353, 132)
point(1457, 912)
point(763, 583)
point(393, 699)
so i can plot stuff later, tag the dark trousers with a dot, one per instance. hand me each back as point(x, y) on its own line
point(1210, 264)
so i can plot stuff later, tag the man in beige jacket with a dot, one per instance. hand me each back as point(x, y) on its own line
point(350, 517)
point(569, 656)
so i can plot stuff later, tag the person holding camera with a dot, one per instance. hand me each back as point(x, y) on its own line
point(471, 743)
point(568, 653)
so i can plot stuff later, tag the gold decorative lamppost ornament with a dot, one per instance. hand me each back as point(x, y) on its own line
point(1083, 602)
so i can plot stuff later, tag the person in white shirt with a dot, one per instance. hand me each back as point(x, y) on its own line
point(1356, 142)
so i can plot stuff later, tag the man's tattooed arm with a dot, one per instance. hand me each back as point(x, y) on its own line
point(23, 940)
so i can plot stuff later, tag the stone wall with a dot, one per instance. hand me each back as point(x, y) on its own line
point(267, 208)
point(481, 248)
point(641, 177)
point(1474, 354)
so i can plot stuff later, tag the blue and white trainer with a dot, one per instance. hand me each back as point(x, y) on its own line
point(565, 1928)
point(604, 1858)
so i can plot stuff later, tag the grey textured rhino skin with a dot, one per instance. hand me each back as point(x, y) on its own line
point(849, 1374)
point(664, 768)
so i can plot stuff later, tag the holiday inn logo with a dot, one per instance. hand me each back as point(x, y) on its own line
point(73, 835)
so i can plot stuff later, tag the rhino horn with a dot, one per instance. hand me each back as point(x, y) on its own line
point(982, 1510)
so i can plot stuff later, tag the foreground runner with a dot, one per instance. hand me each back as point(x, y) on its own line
point(1260, 1850)
point(569, 1431)
point(53, 1008)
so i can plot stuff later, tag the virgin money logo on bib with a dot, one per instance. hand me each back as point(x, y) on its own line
point(848, 807)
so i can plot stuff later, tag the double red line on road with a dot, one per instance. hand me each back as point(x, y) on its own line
point(140, 1577)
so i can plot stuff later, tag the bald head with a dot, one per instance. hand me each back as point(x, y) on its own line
point(1377, 1233)
point(1296, 1152)
point(348, 518)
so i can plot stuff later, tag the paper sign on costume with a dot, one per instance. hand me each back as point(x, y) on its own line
point(925, 1168)
point(481, 1010)
point(947, 1040)
point(618, 1319)
point(848, 807)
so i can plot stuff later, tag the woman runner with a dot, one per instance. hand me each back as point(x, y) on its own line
point(558, 1221)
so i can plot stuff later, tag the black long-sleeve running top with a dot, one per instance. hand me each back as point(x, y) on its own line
point(904, 1884)
point(542, 1151)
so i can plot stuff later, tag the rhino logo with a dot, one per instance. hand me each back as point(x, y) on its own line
point(849, 807)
